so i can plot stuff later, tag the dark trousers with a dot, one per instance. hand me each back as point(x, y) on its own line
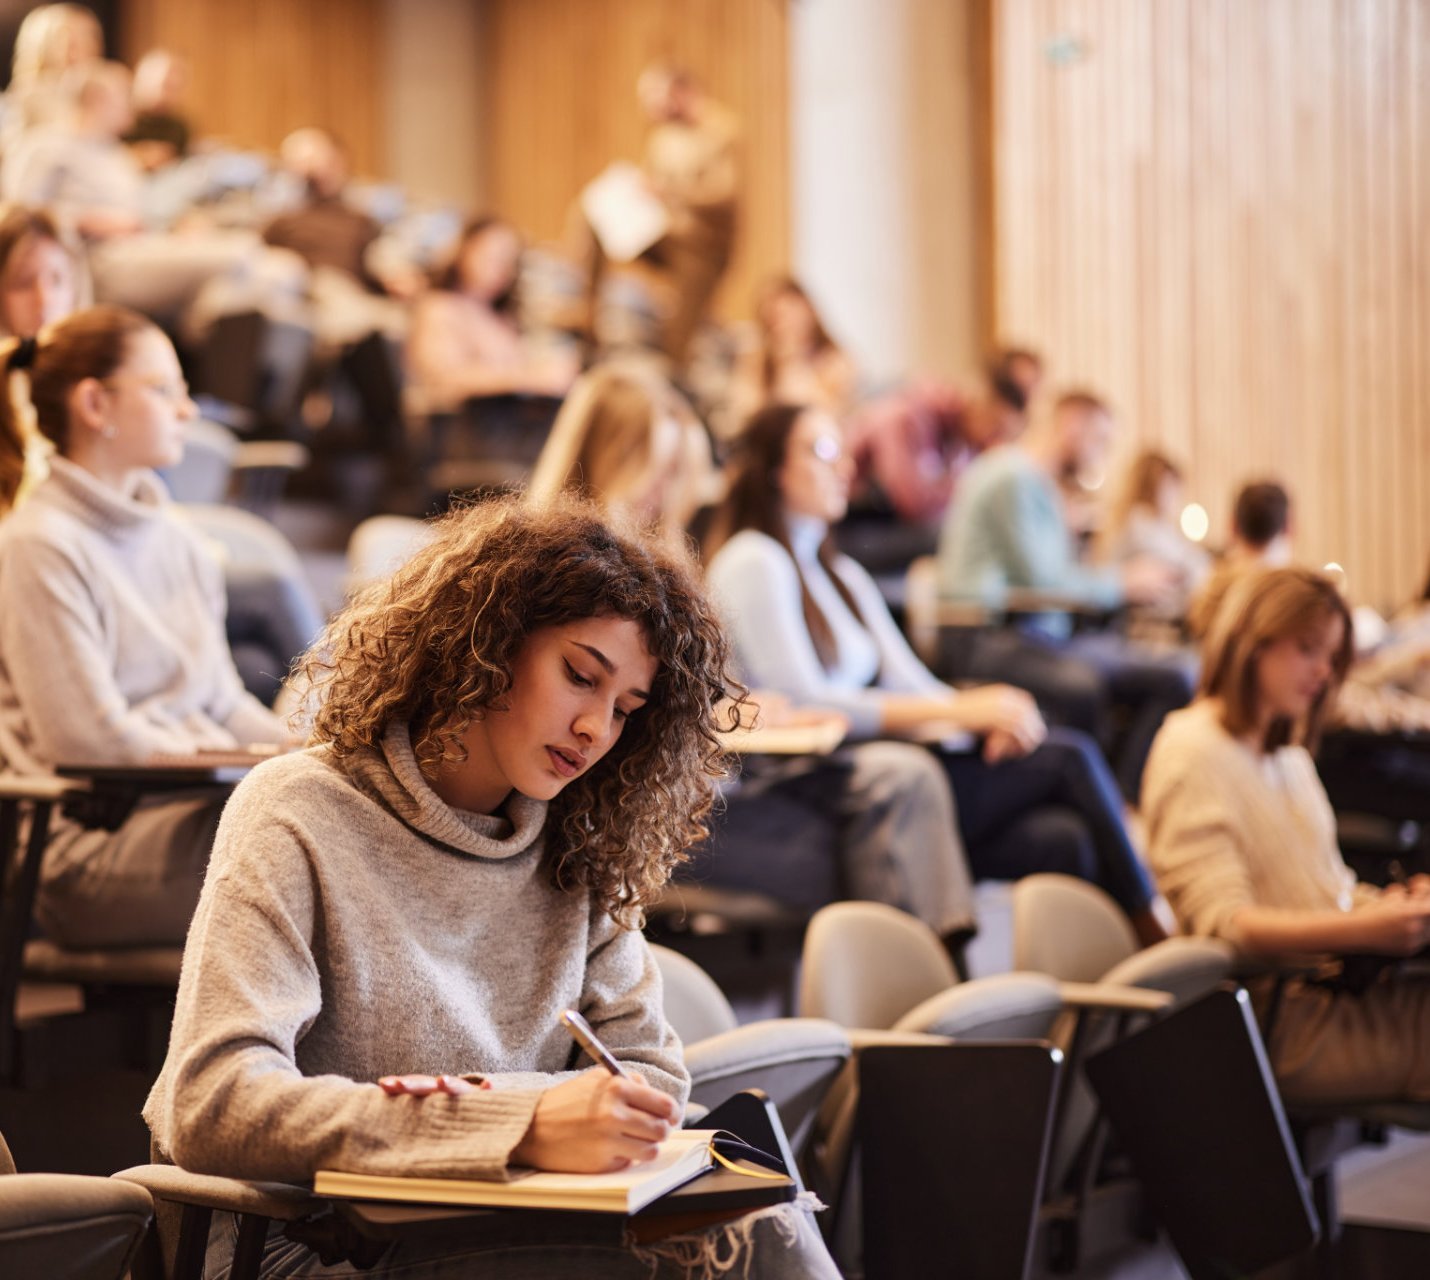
point(1097, 683)
point(1055, 810)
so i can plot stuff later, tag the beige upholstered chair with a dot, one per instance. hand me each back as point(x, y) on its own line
point(62, 1226)
point(794, 1060)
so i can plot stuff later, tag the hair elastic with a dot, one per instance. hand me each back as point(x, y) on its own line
point(23, 355)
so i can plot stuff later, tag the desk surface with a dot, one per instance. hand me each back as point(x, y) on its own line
point(156, 777)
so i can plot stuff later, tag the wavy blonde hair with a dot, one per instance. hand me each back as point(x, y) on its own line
point(434, 647)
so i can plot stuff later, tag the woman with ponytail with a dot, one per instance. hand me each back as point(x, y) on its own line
point(112, 646)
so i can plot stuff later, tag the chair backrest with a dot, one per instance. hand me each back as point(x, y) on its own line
point(381, 545)
point(694, 1005)
point(866, 964)
point(1068, 928)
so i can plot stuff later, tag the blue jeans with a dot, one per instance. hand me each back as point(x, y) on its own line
point(1096, 682)
point(1057, 809)
point(782, 1244)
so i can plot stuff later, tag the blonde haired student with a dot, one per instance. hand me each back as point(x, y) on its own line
point(627, 439)
point(1243, 842)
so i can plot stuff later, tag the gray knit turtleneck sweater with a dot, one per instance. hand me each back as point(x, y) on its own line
point(112, 644)
point(353, 925)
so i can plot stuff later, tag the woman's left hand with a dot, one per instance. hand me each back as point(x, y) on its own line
point(419, 1086)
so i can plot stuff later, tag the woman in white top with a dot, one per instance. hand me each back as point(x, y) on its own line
point(112, 646)
point(1243, 842)
point(810, 623)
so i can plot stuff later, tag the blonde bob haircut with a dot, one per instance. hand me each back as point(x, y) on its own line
point(1259, 608)
point(433, 647)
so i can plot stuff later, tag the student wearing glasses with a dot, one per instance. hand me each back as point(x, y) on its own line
point(112, 645)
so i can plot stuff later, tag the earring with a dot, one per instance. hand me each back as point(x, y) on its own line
point(108, 431)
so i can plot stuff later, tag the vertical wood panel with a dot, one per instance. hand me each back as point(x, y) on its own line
point(561, 105)
point(1215, 212)
point(262, 68)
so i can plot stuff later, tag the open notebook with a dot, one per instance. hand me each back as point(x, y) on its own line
point(683, 1156)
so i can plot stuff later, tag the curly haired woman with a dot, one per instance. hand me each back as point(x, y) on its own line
point(515, 742)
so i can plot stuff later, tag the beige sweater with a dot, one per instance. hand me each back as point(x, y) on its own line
point(1229, 827)
point(353, 925)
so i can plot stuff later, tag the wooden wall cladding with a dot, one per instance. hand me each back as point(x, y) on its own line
point(1216, 212)
point(262, 68)
point(560, 78)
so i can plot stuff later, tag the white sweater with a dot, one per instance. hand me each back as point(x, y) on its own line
point(756, 585)
point(1230, 827)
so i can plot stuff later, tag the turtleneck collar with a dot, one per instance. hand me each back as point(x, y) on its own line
point(393, 776)
point(107, 509)
point(806, 533)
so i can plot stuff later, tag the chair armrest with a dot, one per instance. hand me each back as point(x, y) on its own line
point(278, 1200)
point(1033, 600)
point(767, 1044)
point(278, 455)
point(1113, 999)
point(38, 787)
point(877, 1037)
point(30, 1201)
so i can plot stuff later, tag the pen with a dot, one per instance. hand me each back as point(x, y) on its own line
point(581, 1032)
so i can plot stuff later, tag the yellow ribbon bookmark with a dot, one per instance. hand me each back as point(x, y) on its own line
point(749, 1173)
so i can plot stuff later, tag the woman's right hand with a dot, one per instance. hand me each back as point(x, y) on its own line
point(596, 1123)
point(1007, 717)
point(1396, 924)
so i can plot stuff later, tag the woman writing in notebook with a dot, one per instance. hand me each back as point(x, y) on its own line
point(515, 740)
point(112, 645)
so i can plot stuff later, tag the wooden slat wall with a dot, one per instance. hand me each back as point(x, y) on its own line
point(560, 81)
point(265, 67)
point(1216, 212)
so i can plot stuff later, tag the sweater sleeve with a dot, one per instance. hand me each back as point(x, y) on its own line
point(1194, 844)
point(232, 1099)
point(1035, 545)
point(755, 581)
point(58, 661)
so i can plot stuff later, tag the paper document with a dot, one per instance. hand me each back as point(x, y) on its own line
point(623, 212)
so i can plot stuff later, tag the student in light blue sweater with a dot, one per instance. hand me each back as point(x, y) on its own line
point(811, 623)
point(1007, 529)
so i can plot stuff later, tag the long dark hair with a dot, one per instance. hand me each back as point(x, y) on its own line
point(449, 277)
point(754, 501)
point(772, 289)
